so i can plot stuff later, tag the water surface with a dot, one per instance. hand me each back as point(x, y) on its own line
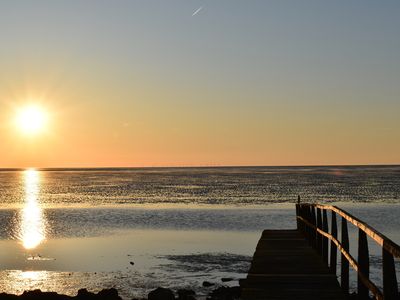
point(136, 229)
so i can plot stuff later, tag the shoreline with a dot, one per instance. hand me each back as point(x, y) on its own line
point(160, 293)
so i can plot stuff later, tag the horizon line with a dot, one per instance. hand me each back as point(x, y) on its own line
point(196, 166)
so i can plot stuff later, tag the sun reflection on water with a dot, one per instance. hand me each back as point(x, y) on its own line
point(17, 281)
point(33, 275)
point(32, 229)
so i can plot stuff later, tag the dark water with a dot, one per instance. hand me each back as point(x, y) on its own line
point(224, 186)
point(66, 229)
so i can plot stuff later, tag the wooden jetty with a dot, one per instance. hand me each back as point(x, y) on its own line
point(302, 263)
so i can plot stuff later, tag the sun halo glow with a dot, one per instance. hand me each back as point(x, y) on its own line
point(31, 119)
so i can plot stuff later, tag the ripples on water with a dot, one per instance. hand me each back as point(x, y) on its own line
point(86, 222)
point(226, 186)
point(62, 229)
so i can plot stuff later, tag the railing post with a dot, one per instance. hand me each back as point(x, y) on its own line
point(333, 261)
point(313, 232)
point(308, 228)
point(298, 213)
point(344, 280)
point(363, 264)
point(318, 217)
point(302, 214)
point(324, 238)
point(390, 289)
point(319, 226)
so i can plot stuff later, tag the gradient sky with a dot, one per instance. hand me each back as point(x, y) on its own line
point(145, 83)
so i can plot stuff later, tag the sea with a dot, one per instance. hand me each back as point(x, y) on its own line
point(136, 229)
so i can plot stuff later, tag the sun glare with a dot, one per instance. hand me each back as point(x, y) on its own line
point(32, 221)
point(31, 119)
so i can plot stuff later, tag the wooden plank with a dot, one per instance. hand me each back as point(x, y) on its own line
point(344, 268)
point(333, 260)
point(390, 289)
point(363, 263)
point(324, 238)
point(285, 266)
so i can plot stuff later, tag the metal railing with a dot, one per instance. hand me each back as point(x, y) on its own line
point(312, 220)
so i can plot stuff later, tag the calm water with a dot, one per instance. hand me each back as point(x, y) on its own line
point(136, 229)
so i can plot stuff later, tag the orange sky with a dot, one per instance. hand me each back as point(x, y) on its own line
point(257, 84)
point(151, 134)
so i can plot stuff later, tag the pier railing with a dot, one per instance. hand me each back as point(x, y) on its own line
point(312, 220)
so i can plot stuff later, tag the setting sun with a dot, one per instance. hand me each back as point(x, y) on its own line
point(31, 119)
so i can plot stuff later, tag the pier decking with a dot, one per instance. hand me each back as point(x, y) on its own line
point(302, 263)
point(285, 266)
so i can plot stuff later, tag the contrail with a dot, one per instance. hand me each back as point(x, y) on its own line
point(197, 11)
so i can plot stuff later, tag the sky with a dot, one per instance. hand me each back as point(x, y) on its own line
point(201, 82)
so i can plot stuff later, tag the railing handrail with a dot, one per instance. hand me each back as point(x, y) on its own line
point(368, 283)
point(378, 237)
point(312, 219)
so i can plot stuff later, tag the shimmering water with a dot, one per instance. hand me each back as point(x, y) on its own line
point(225, 186)
point(136, 229)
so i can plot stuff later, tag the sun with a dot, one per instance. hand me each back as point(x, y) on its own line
point(31, 119)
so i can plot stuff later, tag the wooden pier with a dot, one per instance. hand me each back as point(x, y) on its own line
point(301, 264)
point(285, 266)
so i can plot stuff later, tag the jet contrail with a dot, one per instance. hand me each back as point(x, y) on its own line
point(197, 11)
